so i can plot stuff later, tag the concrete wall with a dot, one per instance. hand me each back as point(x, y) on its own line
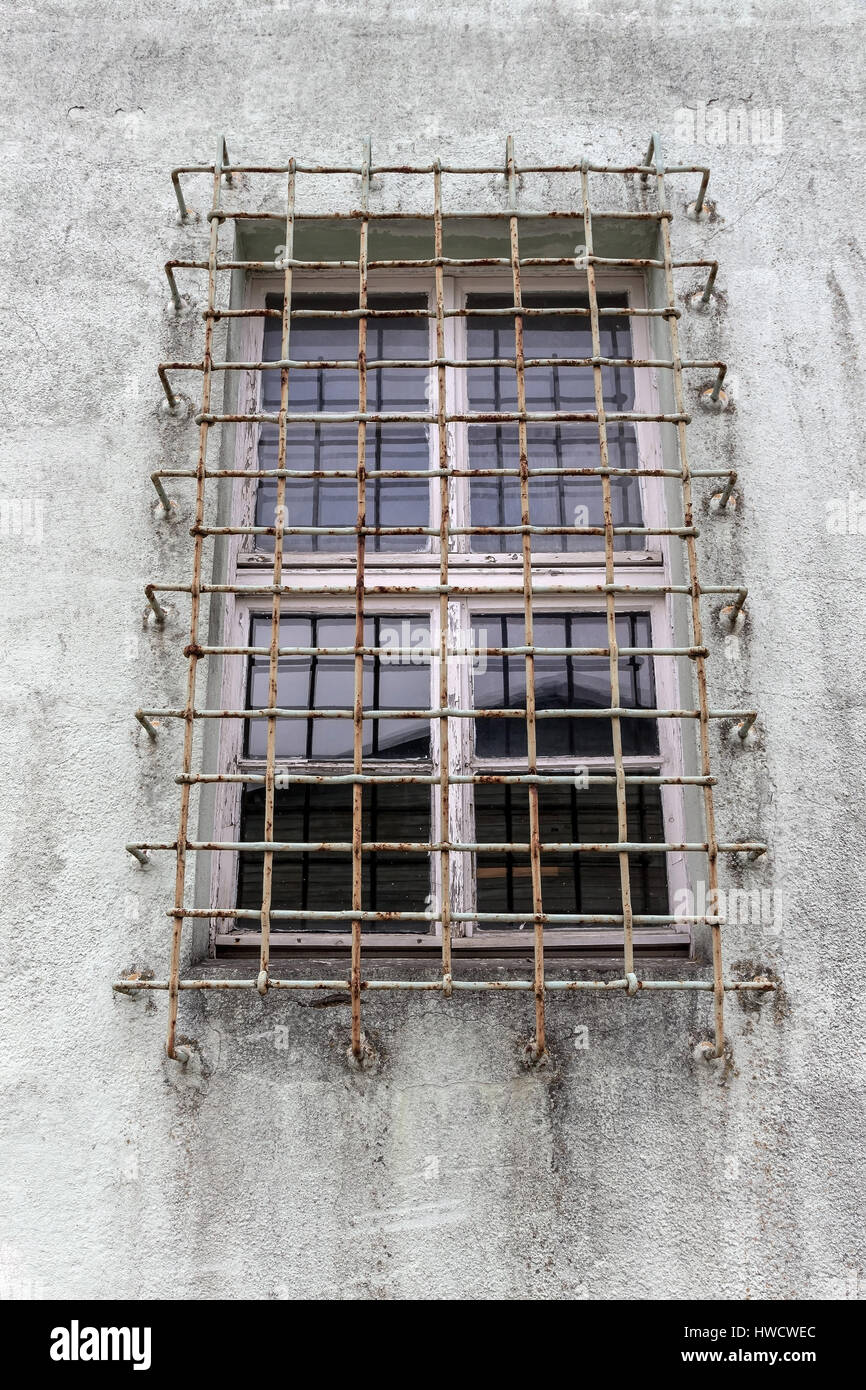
point(631, 1168)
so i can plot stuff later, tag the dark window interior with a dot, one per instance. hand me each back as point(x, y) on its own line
point(329, 447)
point(322, 881)
point(563, 682)
point(552, 501)
point(328, 682)
point(570, 882)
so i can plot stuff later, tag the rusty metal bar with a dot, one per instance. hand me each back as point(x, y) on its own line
point(514, 530)
point(697, 626)
point(609, 572)
point(273, 655)
point(444, 544)
point(538, 1044)
point(759, 984)
point(417, 652)
point(440, 360)
point(755, 847)
point(621, 310)
point(195, 605)
point(644, 169)
point(451, 262)
point(513, 712)
point(361, 529)
point(344, 779)
point(465, 590)
point(252, 474)
point(461, 215)
point(251, 914)
point(418, 417)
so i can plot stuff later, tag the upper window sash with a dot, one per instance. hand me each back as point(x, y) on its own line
point(317, 506)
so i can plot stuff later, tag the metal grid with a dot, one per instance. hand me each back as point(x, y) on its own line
point(222, 172)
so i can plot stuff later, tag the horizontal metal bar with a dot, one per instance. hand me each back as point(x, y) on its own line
point(327, 474)
point(512, 311)
point(417, 652)
point(644, 170)
point(515, 530)
point(477, 417)
point(754, 847)
point(446, 711)
point(447, 262)
point(457, 590)
point(351, 363)
point(553, 986)
point(459, 215)
point(538, 779)
point(349, 914)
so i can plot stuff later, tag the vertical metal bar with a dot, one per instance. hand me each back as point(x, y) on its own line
point(538, 1046)
point(358, 708)
point(274, 649)
point(609, 575)
point(444, 526)
point(195, 606)
point(700, 661)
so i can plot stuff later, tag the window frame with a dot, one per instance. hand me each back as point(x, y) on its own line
point(248, 568)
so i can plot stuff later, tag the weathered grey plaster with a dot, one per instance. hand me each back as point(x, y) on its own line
point(632, 1169)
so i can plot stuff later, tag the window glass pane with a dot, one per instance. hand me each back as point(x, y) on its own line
point(571, 882)
point(334, 447)
point(552, 500)
point(562, 682)
point(321, 881)
point(391, 682)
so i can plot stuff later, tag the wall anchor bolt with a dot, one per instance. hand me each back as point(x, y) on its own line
point(146, 724)
point(364, 1059)
point(732, 617)
point(713, 397)
point(166, 502)
point(142, 855)
point(719, 500)
point(160, 614)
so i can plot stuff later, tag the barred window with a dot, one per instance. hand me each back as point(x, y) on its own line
point(456, 646)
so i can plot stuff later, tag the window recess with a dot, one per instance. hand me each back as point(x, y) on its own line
point(460, 582)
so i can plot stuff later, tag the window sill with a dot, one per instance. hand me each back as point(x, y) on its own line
point(511, 945)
